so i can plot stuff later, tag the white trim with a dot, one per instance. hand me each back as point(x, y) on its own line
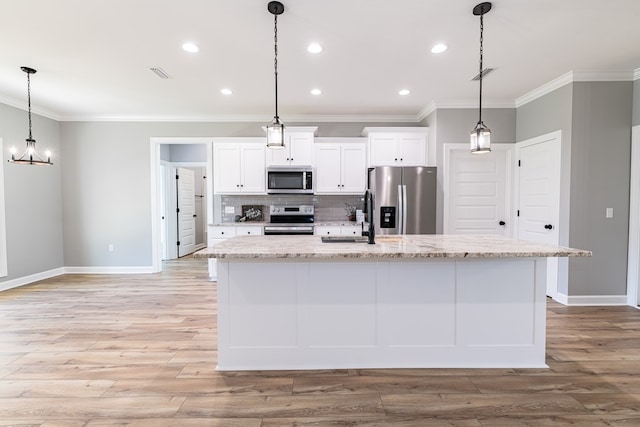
point(545, 89)
point(633, 263)
point(3, 224)
point(636, 74)
point(21, 105)
point(400, 118)
point(26, 280)
point(508, 197)
point(109, 270)
point(591, 300)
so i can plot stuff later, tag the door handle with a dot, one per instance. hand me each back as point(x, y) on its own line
point(502, 223)
point(549, 227)
point(195, 216)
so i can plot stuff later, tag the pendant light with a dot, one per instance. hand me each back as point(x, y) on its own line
point(30, 156)
point(275, 129)
point(481, 135)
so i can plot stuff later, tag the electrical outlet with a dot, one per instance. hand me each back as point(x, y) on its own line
point(609, 213)
point(110, 248)
point(229, 209)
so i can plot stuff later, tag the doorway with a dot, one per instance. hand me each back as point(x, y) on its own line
point(538, 197)
point(165, 193)
point(477, 190)
point(633, 269)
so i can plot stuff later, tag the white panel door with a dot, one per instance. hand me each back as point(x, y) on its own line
point(227, 168)
point(477, 192)
point(186, 212)
point(539, 198)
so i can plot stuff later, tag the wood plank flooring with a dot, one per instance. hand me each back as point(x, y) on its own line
point(138, 350)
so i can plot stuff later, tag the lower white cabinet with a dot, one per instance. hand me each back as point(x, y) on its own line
point(337, 230)
point(220, 233)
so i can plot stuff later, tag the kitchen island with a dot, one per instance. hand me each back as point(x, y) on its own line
point(294, 302)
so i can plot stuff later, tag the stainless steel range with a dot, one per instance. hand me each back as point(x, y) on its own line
point(290, 220)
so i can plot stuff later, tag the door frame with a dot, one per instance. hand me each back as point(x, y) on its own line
point(156, 223)
point(633, 263)
point(562, 263)
point(448, 149)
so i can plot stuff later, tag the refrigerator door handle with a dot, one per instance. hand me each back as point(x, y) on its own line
point(400, 209)
point(404, 209)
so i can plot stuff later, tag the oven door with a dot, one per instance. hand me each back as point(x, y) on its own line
point(289, 181)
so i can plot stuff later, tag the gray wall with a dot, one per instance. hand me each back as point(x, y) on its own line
point(600, 173)
point(33, 201)
point(187, 152)
point(107, 188)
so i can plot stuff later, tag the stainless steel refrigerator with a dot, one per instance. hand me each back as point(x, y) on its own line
point(404, 199)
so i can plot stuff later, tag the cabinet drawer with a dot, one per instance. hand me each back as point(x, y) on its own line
point(352, 231)
point(326, 230)
point(249, 230)
point(222, 232)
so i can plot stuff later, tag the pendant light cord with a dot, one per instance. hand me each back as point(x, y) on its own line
point(481, 52)
point(29, 102)
point(275, 60)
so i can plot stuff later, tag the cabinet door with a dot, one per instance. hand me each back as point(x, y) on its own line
point(226, 160)
point(253, 168)
point(354, 169)
point(412, 150)
point(383, 150)
point(327, 168)
point(301, 149)
point(278, 156)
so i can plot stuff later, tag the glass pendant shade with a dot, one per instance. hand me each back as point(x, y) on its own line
point(275, 134)
point(480, 139)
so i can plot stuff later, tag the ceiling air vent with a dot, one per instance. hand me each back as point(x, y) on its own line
point(484, 73)
point(160, 72)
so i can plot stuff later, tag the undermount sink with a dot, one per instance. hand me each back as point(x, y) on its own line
point(344, 239)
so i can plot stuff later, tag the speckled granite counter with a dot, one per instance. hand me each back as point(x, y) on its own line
point(386, 247)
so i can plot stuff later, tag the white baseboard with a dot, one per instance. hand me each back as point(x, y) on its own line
point(586, 300)
point(21, 281)
point(108, 270)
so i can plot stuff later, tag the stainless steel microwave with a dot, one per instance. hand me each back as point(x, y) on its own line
point(289, 180)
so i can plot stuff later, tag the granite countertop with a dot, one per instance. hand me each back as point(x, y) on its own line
point(408, 246)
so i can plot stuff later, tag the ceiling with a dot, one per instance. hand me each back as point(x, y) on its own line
point(93, 57)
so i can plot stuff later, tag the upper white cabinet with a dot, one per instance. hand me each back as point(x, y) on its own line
point(397, 146)
point(298, 150)
point(239, 167)
point(340, 165)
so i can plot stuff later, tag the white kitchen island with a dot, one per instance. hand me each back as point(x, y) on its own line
point(293, 302)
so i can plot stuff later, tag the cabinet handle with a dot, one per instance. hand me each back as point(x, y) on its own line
point(395, 160)
point(248, 232)
point(549, 227)
point(401, 159)
point(502, 223)
point(222, 232)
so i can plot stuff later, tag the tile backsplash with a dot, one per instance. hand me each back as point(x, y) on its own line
point(327, 208)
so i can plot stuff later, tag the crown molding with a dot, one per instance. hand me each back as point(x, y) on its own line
point(577, 76)
point(243, 118)
point(21, 105)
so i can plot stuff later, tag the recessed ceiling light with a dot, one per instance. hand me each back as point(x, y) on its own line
point(316, 92)
point(404, 92)
point(314, 48)
point(226, 91)
point(439, 48)
point(190, 47)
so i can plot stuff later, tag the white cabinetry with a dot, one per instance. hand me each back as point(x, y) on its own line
point(220, 233)
point(397, 146)
point(239, 167)
point(341, 165)
point(337, 230)
point(298, 150)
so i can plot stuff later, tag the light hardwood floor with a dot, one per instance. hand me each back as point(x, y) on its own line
point(81, 350)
